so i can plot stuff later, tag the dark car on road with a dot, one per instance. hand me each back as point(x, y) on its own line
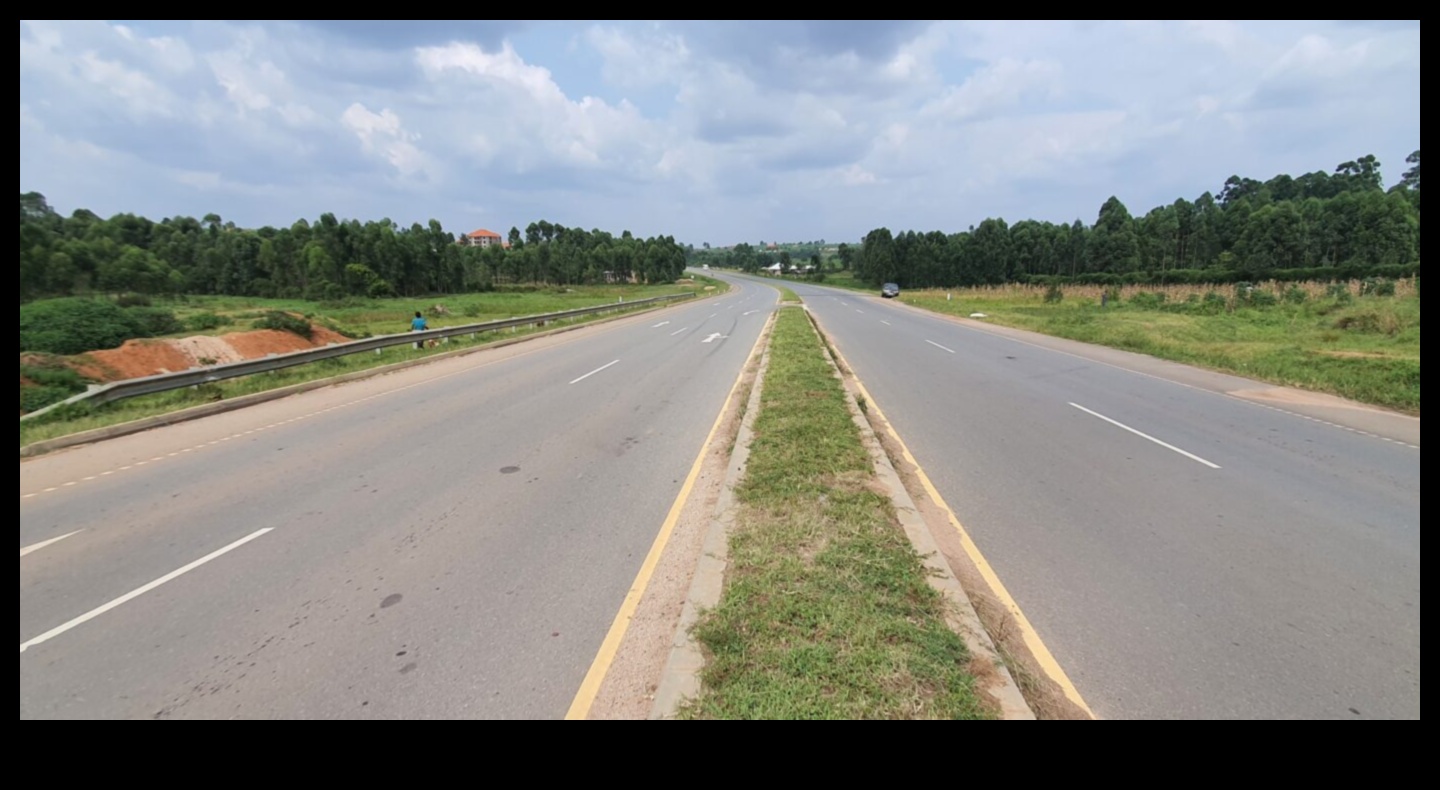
point(889, 290)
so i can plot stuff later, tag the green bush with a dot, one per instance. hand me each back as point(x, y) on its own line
point(201, 322)
point(285, 322)
point(1263, 298)
point(1053, 294)
point(132, 300)
point(51, 385)
point(1340, 292)
point(65, 378)
point(1214, 303)
point(153, 321)
point(1295, 295)
point(1148, 300)
point(75, 325)
point(36, 398)
point(471, 310)
point(1377, 286)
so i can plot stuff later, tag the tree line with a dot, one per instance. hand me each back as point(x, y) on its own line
point(1317, 226)
point(328, 259)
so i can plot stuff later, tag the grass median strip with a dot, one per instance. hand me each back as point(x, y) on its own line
point(827, 612)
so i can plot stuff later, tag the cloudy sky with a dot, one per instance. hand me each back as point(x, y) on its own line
point(713, 132)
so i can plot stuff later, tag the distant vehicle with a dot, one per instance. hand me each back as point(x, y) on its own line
point(889, 290)
point(707, 267)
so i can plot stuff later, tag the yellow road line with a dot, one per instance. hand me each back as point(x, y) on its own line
point(1042, 654)
point(590, 686)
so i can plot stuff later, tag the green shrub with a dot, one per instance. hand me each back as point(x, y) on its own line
point(50, 385)
point(1263, 298)
point(62, 377)
point(1377, 286)
point(285, 322)
point(1053, 294)
point(471, 310)
point(75, 325)
point(1148, 300)
point(201, 322)
point(153, 321)
point(1214, 303)
point(132, 300)
point(1295, 295)
point(36, 398)
point(1340, 292)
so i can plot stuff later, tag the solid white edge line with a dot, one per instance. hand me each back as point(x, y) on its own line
point(937, 345)
point(42, 544)
point(102, 609)
point(1191, 456)
point(593, 372)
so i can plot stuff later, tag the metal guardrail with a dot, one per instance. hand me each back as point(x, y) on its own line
point(148, 385)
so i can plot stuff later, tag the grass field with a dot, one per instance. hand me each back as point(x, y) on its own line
point(1366, 348)
point(827, 612)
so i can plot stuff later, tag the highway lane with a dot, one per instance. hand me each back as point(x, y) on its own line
point(451, 540)
point(1182, 553)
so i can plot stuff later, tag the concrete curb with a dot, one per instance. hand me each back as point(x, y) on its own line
point(960, 613)
point(196, 412)
point(680, 680)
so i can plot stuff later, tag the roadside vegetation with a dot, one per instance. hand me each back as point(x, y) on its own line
point(827, 612)
point(48, 378)
point(1358, 340)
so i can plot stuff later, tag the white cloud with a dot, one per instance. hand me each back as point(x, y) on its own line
point(748, 130)
point(1001, 85)
point(523, 121)
point(642, 60)
point(382, 134)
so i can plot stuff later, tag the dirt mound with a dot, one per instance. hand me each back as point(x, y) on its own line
point(144, 357)
point(251, 345)
point(137, 358)
point(207, 350)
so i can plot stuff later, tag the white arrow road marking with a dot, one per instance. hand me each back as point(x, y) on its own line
point(662, 323)
point(713, 336)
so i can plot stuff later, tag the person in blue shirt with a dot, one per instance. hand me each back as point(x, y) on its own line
point(418, 325)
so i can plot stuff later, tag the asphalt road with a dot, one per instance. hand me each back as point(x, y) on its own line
point(1182, 552)
point(448, 541)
